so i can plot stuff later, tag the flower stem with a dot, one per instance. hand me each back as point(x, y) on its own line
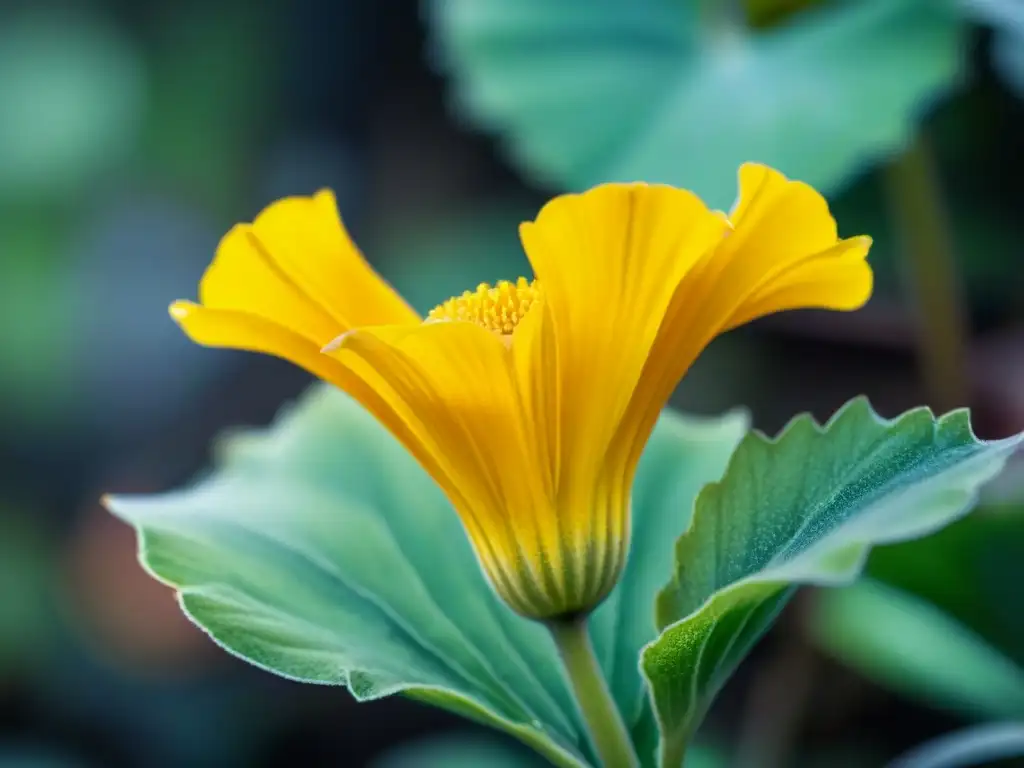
point(916, 204)
point(607, 730)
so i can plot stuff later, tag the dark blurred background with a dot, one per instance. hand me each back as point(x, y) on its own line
point(134, 133)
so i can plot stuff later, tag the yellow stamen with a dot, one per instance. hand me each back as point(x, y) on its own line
point(498, 308)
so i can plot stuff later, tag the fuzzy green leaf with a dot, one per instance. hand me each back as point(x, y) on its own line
point(804, 508)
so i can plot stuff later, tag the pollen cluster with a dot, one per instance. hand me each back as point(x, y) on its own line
point(497, 308)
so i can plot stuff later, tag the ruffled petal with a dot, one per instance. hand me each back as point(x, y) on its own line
point(782, 253)
point(838, 279)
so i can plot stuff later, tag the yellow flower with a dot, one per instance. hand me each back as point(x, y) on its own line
point(529, 403)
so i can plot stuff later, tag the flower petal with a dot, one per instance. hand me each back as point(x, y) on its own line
point(450, 395)
point(608, 262)
point(782, 253)
point(838, 279)
point(240, 330)
point(295, 265)
point(785, 217)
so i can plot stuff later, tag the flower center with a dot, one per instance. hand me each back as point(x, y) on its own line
point(497, 308)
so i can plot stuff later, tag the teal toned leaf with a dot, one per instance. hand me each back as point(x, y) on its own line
point(319, 550)
point(903, 642)
point(585, 92)
point(803, 508)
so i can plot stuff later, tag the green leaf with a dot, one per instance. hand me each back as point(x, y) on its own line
point(804, 508)
point(319, 550)
point(585, 92)
point(902, 642)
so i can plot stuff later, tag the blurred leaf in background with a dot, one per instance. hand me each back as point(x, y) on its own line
point(72, 92)
point(115, 161)
point(940, 620)
point(214, 95)
point(682, 92)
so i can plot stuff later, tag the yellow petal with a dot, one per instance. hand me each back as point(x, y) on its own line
point(782, 253)
point(239, 330)
point(784, 217)
point(838, 279)
point(296, 266)
point(453, 399)
point(608, 262)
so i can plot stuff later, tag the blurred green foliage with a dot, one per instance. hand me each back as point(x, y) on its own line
point(941, 619)
point(214, 92)
point(683, 92)
point(73, 96)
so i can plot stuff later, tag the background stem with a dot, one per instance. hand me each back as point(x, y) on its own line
point(917, 210)
point(607, 731)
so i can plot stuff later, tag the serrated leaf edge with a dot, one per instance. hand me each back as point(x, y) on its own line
point(807, 420)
